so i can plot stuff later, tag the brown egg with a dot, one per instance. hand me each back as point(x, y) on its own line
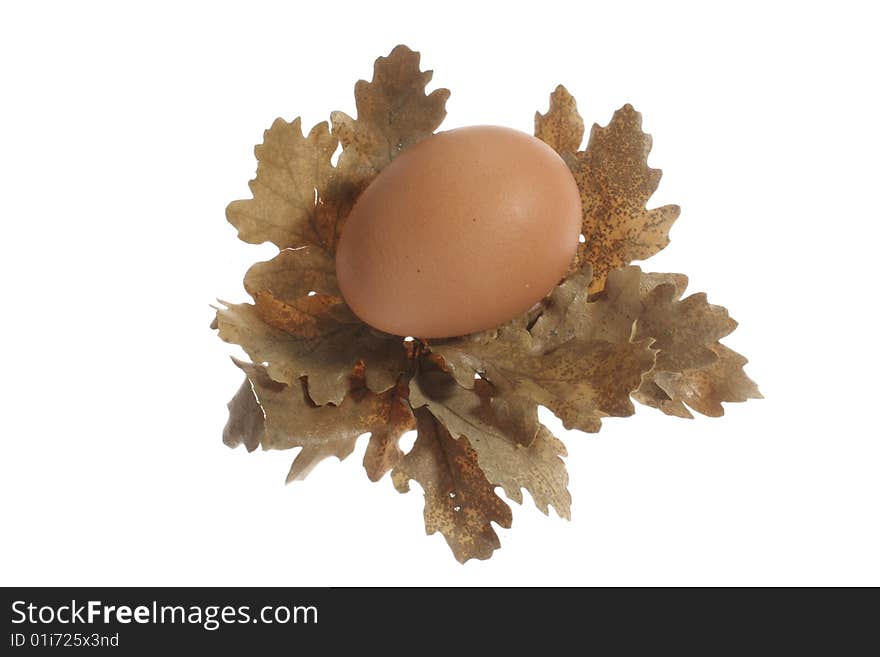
point(460, 233)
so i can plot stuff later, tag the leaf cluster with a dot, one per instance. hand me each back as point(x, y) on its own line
point(608, 334)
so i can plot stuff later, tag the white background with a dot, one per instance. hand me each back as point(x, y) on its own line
point(126, 131)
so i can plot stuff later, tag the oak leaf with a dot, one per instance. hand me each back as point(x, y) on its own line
point(705, 388)
point(327, 355)
point(562, 128)
point(393, 113)
point(615, 183)
point(578, 358)
point(685, 333)
point(683, 330)
point(693, 368)
point(513, 449)
point(460, 502)
point(293, 274)
point(299, 197)
point(293, 420)
point(246, 424)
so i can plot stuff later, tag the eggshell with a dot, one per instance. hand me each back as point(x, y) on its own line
point(462, 232)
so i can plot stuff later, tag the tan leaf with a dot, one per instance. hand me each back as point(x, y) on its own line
point(327, 359)
point(704, 389)
point(686, 334)
point(561, 127)
point(579, 358)
point(570, 313)
point(246, 425)
point(481, 410)
point(459, 502)
point(383, 451)
point(293, 420)
point(513, 449)
point(650, 280)
point(683, 331)
point(494, 353)
point(293, 273)
point(588, 380)
point(295, 181)
point(616, 184)
point(393, 113)
point(305, 317)
point(651, 394)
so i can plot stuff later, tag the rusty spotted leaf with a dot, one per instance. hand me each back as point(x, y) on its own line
point(383, 450)
point(327, 358)
point(293, 420)
point(393, 113)
point(295, 183)
point(562, 128)
point(305, 317)
point(460, 502)
point(513, 449)
point(615, 184)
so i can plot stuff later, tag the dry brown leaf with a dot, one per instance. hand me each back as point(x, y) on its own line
point(495, 353)
point(651, 394)
point(306, 317)
point(562, 128)
point(393, 113)
point(569, 312)
point(591, 380)
point(685, 334)
point(327, 359)
point(513, 449)
point(704, 389)
point(293, 420)
point(578, 359)
point(683, 330)
point(246, 425)
point(484, 409)
point(294, 186)
point(293, 273)
point(459, 501)
point(616, 184)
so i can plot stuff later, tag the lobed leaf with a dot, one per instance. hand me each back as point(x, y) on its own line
point(246, 424)
point(615, 182)
point(685, 333)
point(327, 356)
point(578, 358)
point(293, 274)
point(299, 197)
point(393, 113)
point(513, 449)
point(293, 420)
point(562, 128)
point(705, 388)
point(460, 502)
